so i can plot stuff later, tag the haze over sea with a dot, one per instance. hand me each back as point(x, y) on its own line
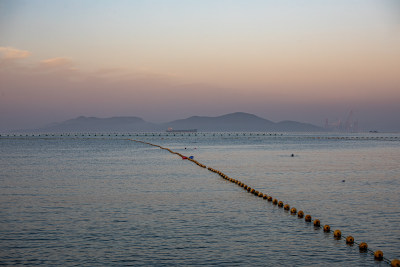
point(100, 200)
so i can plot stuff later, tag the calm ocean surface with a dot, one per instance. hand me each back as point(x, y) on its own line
point(104, 200)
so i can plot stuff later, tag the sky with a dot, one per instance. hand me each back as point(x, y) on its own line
point(304, 60)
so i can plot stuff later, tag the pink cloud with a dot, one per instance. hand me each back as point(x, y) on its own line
point(56, 62)
point(13, 53)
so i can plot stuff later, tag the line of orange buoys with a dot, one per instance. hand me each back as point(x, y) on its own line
point(337, 234)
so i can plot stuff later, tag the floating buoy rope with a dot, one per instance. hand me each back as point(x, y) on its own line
point(337, 234)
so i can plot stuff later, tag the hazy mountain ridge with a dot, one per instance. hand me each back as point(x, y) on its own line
point(238, 121)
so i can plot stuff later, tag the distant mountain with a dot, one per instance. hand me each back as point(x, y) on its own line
point(294, 126)
point(238, 121)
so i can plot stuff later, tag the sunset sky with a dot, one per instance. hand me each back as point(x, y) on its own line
point(304, 60)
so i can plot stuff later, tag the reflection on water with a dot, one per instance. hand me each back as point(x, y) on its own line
point(81, 201)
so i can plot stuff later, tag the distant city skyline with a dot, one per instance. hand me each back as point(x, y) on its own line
point(306, 60)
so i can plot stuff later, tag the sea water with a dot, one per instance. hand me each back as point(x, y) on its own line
point(100, 200)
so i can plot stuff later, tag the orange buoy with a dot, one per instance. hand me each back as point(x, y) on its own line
point(245, 186)
point(327, 228)
point(248, 189)
point(280, 204)
point(255, 192)
point(260, 194)
point(317, 223)
point(307, 218)
point(378, 255)
point(350, 240)
point(337, 234)
point(395, 263)
point(293, 211)
point(269, 198)
point(252, 191)
point(275, 201)
point(286, 207)
point(265, 196)
point(363, 247)
point(300, 214)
